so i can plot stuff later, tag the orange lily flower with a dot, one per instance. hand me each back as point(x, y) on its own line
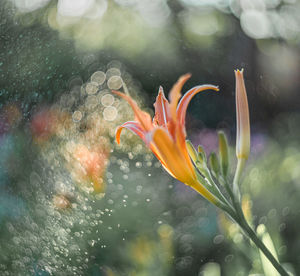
point(165, 134)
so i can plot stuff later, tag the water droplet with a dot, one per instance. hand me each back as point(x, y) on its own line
point(91, 102)
point(110, 201)
point(285, 211)
point(139, 189)
point(229, 258)
point(238, 237)
point(282, 226)
point(114, 64)
point(138, 164)
point(282, 250)
point(157, 165)
point(110, 113)
point(272, 213)
point(120, 187)
point(107, 100)
point(218, 239)
point(98, 77)
point(113, 72)
point(77, 116)
point(60, 202)
point(263, 220)
point(91, 88)
point(92, 242)
point(115, 82)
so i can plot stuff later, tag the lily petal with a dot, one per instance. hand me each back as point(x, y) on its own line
point(161, 105)
point(176, 165)
point(133, 126)
point(185, 100)
point(142, 117)
point(172, 157)
point(181, 144)
point(159, 157)
point(175, 94)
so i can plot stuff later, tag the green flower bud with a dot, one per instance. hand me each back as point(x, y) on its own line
point(201, 155)
point(214, 164)
point(223, 153)
point(192, 151)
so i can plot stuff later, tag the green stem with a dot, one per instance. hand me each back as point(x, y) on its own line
point(239, 217)
point(252, 235)
point(211, 186)
point(240, 166)
point(236, 213)
point(215, 188)
point(228, 190)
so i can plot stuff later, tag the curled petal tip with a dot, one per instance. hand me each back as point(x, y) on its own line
point(186, 76)
point(182, 79)
point(216, 88)
point(185, 100)
point(142, 117)
point(118, 135)
point(161, 91)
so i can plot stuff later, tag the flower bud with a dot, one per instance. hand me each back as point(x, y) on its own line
point(201, 154)
point(242, 118)
point(214, 164)
point(223, 153)
point(191, 150)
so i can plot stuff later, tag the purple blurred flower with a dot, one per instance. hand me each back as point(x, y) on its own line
point(207, 138)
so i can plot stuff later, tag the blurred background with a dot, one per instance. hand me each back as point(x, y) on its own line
point(72, 202)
